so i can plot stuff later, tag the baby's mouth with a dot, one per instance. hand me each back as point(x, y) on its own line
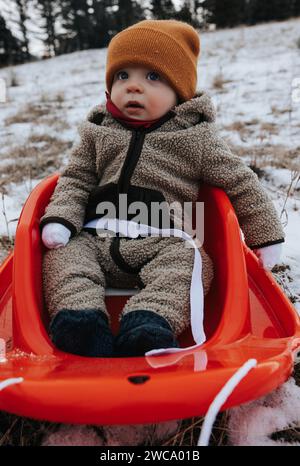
point(133, 104)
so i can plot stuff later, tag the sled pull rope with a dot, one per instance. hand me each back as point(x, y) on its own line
point(220, 399)
point(6, 383)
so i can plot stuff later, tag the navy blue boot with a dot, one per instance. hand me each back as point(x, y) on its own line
point(142, 331)
point(86, 333)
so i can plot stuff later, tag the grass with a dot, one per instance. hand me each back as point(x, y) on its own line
point(190, 429)
point(273, 155)
point(21, 431)
point(269, 128)
point(279, 111)
point(42, 153)
point(41, 113)
point(31, 112)
point(37, 158)
point(219, 81)
point(241, 128)
point(6, 245)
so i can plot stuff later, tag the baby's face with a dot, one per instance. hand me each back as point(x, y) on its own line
point(146, 87)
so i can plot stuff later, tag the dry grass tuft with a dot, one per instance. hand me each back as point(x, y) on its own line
point(254, 121)
point(6, 245)
point(39, 112)
point(39, 157)
point(30, 113)
point(277, 156)
point(219, 81)
point(270, 128)
point(190, 429)
point(56, 100)
point(57, 123)
point(20, 431)
point(244, 129)
point(279, 111)
point(282, 274)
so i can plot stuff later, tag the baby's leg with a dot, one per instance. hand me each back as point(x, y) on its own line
point(74, 289)
point(72, 276)
point(167, 278)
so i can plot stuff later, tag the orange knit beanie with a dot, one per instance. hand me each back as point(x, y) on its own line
point(168, 47)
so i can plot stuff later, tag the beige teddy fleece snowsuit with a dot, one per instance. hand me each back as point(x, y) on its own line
point(167, 161)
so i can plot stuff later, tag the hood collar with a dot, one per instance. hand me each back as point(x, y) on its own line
point(190, 113)
point(194, 111)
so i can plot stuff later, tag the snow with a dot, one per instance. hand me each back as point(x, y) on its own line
point(12, 204)
point(277, 412)
point(260, 66)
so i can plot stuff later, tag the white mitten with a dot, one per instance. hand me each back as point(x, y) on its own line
point(55, 235)
point(269, 255)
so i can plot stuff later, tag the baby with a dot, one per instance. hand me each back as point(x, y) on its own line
point(155, 141)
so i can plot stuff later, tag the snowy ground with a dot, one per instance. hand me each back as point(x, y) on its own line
point(252, 74)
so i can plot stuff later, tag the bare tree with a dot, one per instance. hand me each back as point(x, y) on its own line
point(49, 12)
point(163, 9)
point(10, 47)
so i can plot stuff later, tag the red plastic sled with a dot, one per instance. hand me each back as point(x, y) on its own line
point(246, 316)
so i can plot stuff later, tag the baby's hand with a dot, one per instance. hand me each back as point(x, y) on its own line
point(55, 235)
point(269, 255)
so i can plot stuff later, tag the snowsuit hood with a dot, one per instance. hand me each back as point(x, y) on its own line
point(187, 114)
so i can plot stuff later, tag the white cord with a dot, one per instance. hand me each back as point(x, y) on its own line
point(220, 399)
point(8, 382)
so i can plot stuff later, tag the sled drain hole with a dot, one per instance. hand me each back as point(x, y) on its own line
point(138, 379)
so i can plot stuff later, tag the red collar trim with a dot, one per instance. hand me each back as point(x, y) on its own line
point(116, 113)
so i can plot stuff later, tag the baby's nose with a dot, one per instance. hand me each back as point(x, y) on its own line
point(134, 86)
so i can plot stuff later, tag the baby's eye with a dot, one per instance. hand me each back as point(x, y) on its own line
point(153, 76)
point(122, 75)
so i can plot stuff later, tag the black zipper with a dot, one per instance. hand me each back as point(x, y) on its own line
point(132, 157)
point(135, 149)
point(131, 160)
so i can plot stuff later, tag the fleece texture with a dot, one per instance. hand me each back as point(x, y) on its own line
point(75, 276)
point(176, 157)
point(172, 158)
